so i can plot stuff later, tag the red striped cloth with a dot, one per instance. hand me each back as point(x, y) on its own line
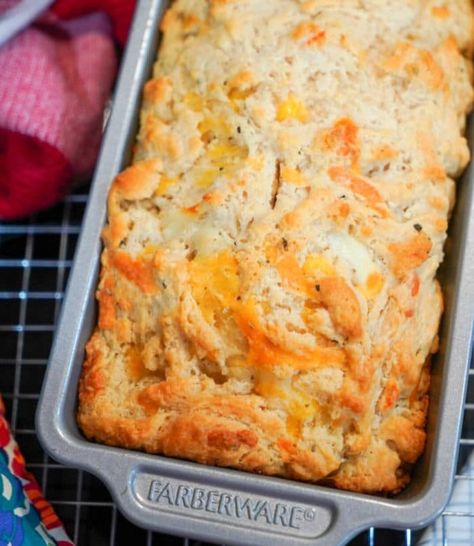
point(56, 78)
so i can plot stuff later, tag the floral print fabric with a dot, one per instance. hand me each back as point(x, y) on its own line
point(26, 518)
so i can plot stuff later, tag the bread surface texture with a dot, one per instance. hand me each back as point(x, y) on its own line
point(268, 297)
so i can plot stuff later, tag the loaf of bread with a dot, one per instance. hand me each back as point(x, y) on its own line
point(267, 298)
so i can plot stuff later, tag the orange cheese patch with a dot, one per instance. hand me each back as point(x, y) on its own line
point(107, 304)
point(298, 405)
point(139, 180)
point(389, 396)
point(309, 33)
point(194, 101)
point(239, 94)
point(316, 265)
point(440, 12)
point(330, 291)
point(135, 365)
point(215, 283)
point(165, 183)
point(292, 274)
point(292, 109)
point(214, 127)
point(374, 284)
point(415, 287)
point(264, 352)
point(342, 305)
point(293, 176)
point(410, 254)
point(139, 271)
point(356, 183)
point(222, 158)
point(343, 138)
point(240, 87)
point(414, 62)
point(191, 22)
point(157, 90)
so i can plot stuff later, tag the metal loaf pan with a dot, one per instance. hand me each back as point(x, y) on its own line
point(228, 506)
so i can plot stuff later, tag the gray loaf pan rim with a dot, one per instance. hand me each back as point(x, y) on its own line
point(271, 509)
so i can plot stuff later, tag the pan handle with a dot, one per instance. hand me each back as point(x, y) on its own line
point(232, 510)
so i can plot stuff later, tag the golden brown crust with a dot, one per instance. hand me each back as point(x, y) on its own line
point(267, 299)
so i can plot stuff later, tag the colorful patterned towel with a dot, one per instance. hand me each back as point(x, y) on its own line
point(26, 518)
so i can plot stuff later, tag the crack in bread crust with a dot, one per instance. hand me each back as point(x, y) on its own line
point(267, 298)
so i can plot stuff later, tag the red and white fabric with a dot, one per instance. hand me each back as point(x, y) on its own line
point(56, 77)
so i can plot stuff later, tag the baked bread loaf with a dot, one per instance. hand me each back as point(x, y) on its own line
point(267, 299)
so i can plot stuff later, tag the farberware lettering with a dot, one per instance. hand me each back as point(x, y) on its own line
point(230, 505)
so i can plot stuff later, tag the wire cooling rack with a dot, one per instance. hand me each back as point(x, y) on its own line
point(35, 260)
